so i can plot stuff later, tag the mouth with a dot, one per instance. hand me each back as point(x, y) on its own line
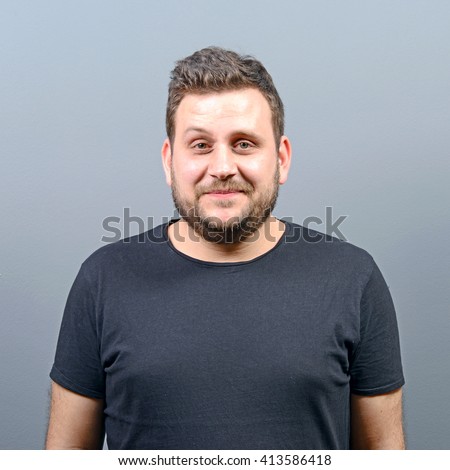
point(223, 193)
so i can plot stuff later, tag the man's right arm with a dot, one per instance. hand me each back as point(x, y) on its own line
point(76, 421)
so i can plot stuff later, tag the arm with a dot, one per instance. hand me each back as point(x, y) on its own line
point(76, 421)
point(376, 421)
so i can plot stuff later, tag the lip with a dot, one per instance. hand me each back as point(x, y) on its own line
point(223, 194)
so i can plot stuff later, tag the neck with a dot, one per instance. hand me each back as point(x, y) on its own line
point(186, 240)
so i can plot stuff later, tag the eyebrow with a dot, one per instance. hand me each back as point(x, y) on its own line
point(196, 129)
point(242, 133)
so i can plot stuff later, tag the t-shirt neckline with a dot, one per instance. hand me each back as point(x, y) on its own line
point(277, 246)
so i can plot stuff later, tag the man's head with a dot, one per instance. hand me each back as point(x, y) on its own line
point(225, 154)
point(213, 70)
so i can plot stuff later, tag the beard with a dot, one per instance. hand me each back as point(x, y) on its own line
point(236, 229)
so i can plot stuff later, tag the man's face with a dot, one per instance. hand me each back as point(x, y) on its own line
point(224, 167)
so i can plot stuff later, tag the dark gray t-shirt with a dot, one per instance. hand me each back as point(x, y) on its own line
point(262, 354)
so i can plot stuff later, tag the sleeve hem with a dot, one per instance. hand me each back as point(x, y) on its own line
point(379, 390)
point(58, 377)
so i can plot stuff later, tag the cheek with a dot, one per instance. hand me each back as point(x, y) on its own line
point(189, 173)
point(258, 171)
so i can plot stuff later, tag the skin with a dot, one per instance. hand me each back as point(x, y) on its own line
point(76, 421)
point(376, 421)
point(224, 139)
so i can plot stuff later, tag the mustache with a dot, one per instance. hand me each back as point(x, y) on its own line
point(233, 186)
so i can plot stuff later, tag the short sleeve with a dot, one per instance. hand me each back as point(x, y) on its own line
point(77, 364)
point(376, 365)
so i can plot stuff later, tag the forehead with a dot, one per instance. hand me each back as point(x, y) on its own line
point(245, 106)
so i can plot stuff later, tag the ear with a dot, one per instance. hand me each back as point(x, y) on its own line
point(284, 158)
point(166, 154)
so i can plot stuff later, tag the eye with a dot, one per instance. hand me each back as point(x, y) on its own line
point(200, 147)
point(244, 145)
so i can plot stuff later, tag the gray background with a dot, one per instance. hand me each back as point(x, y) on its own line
point(82, 97)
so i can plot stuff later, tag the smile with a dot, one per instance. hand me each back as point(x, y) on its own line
point(223, 194)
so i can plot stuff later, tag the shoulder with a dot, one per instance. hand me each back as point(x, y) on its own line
point(130, 251)
point(329, 253)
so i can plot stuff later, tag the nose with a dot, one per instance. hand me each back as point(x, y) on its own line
point(222, 164)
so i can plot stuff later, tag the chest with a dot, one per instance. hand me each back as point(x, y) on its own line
point(229, 331)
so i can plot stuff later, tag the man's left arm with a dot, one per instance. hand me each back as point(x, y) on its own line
point(376, 421)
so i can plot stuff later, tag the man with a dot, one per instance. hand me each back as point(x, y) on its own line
point(227, 328)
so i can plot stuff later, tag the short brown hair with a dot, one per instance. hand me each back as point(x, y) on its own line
point(214, 69)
